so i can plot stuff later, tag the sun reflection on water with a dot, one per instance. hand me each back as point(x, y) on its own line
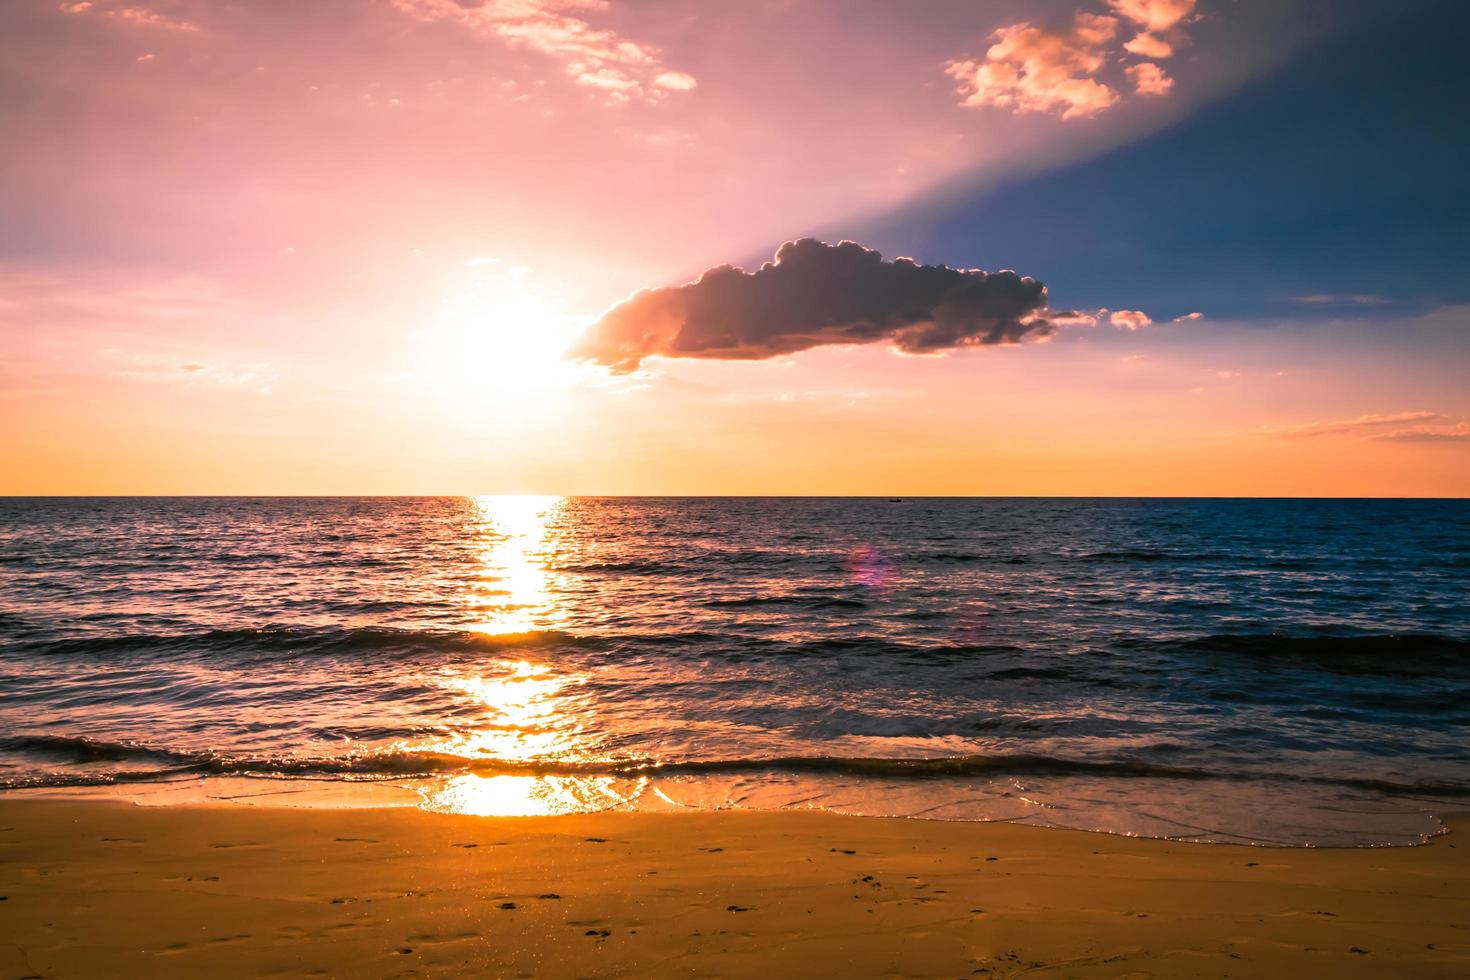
point(527, 715)
point(526, 710)
point(516, 591)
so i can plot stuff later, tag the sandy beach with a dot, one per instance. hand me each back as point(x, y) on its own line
point(106, 889)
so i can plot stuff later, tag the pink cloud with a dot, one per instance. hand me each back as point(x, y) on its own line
point(676, 81)
point(135, 14)
point(1188, 317)
point(1149, 79)
point(1130, 319)
point(1033, 69)
point(1147, 45)
point(1076, 318)
point(622, 69)
point(1154, 15)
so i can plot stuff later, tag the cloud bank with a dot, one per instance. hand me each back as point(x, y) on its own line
point(815, 294)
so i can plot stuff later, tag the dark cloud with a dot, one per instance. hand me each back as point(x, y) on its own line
point(814, 294)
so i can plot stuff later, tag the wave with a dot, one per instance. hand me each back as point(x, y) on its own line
point(622, 568)
point(803, 601)
point(309, 640)
point(407, 764)
point(327, 641)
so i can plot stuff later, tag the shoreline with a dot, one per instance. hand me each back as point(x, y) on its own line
point(1410, 821)
point(103, 888)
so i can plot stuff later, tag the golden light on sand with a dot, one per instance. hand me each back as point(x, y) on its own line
point(525, 796)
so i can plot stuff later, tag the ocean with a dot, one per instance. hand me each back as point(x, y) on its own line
point(1282, 672)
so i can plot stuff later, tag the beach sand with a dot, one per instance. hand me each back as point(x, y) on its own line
point(105, 889)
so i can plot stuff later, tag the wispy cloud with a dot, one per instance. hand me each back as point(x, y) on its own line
point(1362, 425)
point(620, 69)
point(1340, 299)
point(1457, 433)
point(1032, 67)
point(135, 14)
point(259, 377)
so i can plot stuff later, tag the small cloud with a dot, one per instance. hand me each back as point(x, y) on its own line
point(481, 260)
point(142, 58)
point(1188, 317)
point(1076, 318)
point(1149, 79)
point(192, 368)
point(1227, 375)
point(1147, 45)
point(676, 81)
point(1154, 15)
point(1130, 319)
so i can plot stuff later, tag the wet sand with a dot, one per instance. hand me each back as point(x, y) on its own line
point(101, 889)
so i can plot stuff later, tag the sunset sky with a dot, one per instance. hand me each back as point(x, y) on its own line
point(393, 246)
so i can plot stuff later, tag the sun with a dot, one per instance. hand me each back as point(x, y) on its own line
point(498, 340)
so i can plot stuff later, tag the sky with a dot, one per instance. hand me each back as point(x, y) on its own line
point(1097, 247)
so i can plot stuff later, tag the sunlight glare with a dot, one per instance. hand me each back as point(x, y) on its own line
point(517, 591)
point(498, 342)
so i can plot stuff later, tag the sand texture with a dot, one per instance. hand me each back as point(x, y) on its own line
point(95, 889)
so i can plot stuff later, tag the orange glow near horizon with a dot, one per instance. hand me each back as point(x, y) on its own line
point(343, 249)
